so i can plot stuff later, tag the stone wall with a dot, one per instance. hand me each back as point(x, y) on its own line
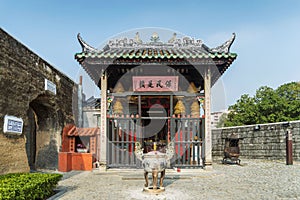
point(267, 142)
point(22, 91)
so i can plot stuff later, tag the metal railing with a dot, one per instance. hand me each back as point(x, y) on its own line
point(187, 134)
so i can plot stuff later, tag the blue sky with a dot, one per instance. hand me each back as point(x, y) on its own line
point(267, 31)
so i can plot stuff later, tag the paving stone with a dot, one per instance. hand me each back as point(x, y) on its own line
point(256, 179)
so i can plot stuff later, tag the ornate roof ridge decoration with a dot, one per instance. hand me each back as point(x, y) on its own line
point(85, 46)
point(155, 43)
point(224, 48)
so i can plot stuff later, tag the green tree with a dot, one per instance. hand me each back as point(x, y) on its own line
point(222, 120)
point(243, 112)
point(289, 94)
point(267, 105)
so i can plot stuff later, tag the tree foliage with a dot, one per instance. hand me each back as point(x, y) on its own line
point(267, 106)
point(222, 120)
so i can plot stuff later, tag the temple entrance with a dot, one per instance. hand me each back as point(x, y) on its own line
point(154, 128)
point(155, 122)
point(151, 128)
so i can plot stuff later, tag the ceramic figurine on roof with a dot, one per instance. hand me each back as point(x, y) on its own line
point(154, 37)
point(173, 39)
point(137, 38)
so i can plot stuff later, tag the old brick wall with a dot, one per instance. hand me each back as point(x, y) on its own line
point(269, 142)
point(22, 91)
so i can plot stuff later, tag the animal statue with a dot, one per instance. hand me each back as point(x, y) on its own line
point(172, 40)
point(137, 38)
point(154, 162)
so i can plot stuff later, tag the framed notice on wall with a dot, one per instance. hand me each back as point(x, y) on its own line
point(155, 83)
point(50, 86)
point(13, 125)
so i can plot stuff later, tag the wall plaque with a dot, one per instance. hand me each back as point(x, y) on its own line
point(50, 86)
point(155, 83)
point(12, 125)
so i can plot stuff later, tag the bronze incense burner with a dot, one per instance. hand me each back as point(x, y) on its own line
point(154, 162)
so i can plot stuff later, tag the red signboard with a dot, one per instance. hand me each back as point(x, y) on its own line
point(155, 83)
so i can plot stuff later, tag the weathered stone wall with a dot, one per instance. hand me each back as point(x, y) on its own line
point(269, 142)
point(22, 91)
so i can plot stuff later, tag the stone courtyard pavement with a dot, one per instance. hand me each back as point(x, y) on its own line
point(254, 179)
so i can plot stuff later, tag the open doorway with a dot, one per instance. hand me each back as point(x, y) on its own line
point(41, 133)
point(31, 138)
point(155, 115)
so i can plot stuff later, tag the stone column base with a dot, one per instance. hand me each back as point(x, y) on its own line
point(103, 168)
point(208, 167)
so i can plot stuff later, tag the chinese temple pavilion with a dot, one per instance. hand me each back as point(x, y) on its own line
point(154, 92)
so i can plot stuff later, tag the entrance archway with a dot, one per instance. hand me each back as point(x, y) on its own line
point(42, 133)
point(31, 138)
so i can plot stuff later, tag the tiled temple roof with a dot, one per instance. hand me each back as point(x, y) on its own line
point(185, 48)
point(186, 55)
